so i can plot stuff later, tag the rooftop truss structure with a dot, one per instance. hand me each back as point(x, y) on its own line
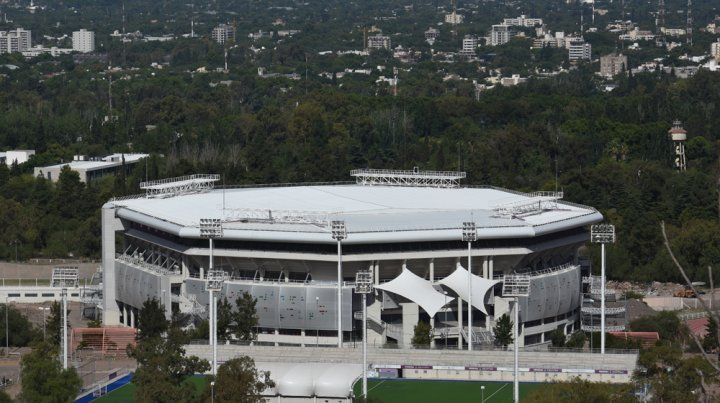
point(180, 185)
point(414, 178)
point(319, 218)
point(536, 204)
point(64, 277)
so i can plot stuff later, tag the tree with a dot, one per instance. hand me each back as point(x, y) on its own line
point(423, 335)
point(503, 331)
point(54, 323)
point(21, 331)
point(577, 340)
point(558, 338)
point(224, 319)
point(239, 382)
point(710, 341)
point(245, 317)
point(43, 378)
point(151, 321)
point(163, 369)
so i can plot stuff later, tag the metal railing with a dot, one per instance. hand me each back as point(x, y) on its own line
point(166, 181)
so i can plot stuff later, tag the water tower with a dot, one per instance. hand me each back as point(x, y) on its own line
point(678, 135)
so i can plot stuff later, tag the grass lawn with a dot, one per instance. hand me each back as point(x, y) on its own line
point(415, 391)
point(125, 393)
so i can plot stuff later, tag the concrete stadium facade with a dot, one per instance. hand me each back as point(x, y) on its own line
point(277, 245)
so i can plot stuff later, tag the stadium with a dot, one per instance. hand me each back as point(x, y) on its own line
point(283, 244)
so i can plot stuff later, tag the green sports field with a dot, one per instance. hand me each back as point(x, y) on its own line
point(413, 391)
point(125, 393)
point(392, 391)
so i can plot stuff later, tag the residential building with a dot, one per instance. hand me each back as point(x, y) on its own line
point(16, 40)
point(523, 21)
point(715, 50)
point(378, 42)
point(431, 35)
point(513, 80)
point(469, 46)
point(223, 33)
point(550, 41)
point(578, 49)
point(454, 18)
point(500, 34)
point(83, 41)
point(672, 31)
point(613, 64)
point(637, 35)
point(90, 169)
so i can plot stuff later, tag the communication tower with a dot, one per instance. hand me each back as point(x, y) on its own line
point(678, 135)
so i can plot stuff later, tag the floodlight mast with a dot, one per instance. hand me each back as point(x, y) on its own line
point(64, 277)
point(211, 228)
point(516, 286)
point(339, 232)
point(602, 234)
point(469, 235)
point(364, 286)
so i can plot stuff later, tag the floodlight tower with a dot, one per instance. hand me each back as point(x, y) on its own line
point(364, 286)
point(64, 277)
point(339, 233)
point(602, 234)
point(678, 135)
point(469, 235)
point(211, 228)
point(516, 286)
point(215, 280)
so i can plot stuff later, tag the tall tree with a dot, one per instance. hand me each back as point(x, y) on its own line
point(503, 331)
point(151, 320)
point(43, 378)
point(245, 317)
point(238, 381)
point(422, 335)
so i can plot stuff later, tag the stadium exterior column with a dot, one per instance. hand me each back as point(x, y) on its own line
point(485, 267)
point(490, 274)
point(431, 268)
point(111, 311)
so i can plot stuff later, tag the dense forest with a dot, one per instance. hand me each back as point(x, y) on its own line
point(607, 150)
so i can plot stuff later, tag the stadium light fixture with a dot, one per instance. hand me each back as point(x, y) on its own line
point(364, 286)
point(214, 283)
point(516, 286)
point(339, 233)
point(64, 277)
point(602, 234)
point(469, 235)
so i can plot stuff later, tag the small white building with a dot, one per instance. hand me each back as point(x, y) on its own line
point(223, 33)
point(378, 42)
point(500, 34)
point(91, 169)
point(83, 41)
point(523, 21)
point(18, 156)
point(715, 50)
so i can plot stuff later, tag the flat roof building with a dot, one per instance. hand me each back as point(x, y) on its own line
point(613, 64)
point(405, 227)
point(83, 41)
point(91, 169)
point(17, 156)
point(16, 40)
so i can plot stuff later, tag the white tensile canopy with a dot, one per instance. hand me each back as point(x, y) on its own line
point(458, 282)
point(417, 290)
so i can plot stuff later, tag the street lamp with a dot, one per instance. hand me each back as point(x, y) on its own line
point(469, 235)
point(215, 280)
point(482, 394)
point(7, 326)
point(364, 286)
point(212, 391)
point(65, 346)
point(317, 330)
point(210, 229)
point(516, 286)
point(602, 234)
point(339, 232)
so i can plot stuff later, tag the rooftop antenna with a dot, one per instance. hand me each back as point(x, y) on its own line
point(689, 23)
point(581, 18)
point(192, 19)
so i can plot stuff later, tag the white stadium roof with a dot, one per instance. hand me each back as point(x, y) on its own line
point(373, 214)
